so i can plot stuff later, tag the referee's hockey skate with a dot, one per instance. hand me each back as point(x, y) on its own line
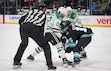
point(53, 68)
point(16, 65)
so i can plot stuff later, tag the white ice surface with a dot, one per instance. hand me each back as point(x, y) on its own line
point(98, 51)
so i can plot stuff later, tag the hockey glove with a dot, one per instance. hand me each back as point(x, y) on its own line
point(63, 39)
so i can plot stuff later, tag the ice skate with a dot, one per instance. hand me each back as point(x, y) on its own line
point(77, 60)
point(83, 55)
point(66, 63)
point(17, 65)
point(77, 63)
point(30, 57)
point(52, 68)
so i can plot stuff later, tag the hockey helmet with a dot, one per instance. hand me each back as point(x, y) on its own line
point(68, 8)
point(62, 10)
point(41, 6)
point(64, 24)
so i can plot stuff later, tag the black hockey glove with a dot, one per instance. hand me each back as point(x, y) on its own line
point(89, 31)
point(68, 50)
point(63, 39)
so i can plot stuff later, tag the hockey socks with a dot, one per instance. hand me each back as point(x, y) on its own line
point(77, 58)
point(35, 52)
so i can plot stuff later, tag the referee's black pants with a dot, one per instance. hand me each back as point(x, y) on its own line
point(36, 33)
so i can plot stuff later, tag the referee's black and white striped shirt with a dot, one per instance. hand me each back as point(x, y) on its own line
point(38, 18)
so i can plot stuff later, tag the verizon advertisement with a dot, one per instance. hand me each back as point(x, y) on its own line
point(104, 20)
point(100, 20)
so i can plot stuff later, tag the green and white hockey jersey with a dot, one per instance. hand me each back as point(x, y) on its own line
point(74, 18)
point(53, 24)
point(76, 22)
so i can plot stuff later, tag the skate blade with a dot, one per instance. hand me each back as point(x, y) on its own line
point(65, 65)
point(52, 69)
point(84, 57)
point(16, 67)
point(76, 66)
point(70, 66)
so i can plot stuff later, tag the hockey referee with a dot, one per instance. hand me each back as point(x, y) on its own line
point(32, 25)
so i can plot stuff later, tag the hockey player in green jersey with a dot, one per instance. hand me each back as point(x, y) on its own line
point(53, 35)
point(73, 17)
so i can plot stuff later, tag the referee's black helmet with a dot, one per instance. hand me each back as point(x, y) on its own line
point(41, 6)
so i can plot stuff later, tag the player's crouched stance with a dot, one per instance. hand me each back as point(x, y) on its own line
point(81, 35)
point(77, 41)
point(53, 34)
point(67, 31)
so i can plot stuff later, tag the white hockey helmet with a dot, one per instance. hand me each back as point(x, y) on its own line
point(68, 8)
point(62, 10)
